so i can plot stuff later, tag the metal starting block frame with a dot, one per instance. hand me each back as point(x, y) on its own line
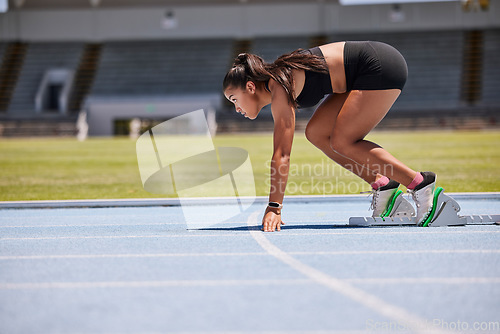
point(445, 213)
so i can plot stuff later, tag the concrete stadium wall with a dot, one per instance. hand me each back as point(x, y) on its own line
point(101, 113)
point(241, 20)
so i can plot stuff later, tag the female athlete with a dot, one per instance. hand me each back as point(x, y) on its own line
point(361, 81)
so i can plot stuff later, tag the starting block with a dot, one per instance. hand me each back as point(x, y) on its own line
point(444, 213)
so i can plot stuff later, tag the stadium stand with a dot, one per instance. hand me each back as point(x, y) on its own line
point(271, 48)
point(153, 80)
point(12, 62)
point(434, 62)
point(187, 68)
point(3, 85)
point(39, 58)
point(472, 66)
point(3, 47)
point(491, 69)
point(158, 68)
point(84, 76)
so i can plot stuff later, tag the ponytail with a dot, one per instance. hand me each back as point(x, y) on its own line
point(250, 67)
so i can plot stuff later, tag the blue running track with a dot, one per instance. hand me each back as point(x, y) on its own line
point(137, 269)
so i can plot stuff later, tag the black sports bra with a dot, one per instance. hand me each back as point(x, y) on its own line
point(316, 85)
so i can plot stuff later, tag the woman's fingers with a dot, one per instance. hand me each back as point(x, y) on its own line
point(272, 225)
point(271, 222)
point(265, 224)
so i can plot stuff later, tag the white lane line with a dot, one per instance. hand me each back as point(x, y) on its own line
point(400, 315)
point(130, 236)
point(235, 234)
point(255, 332)
point(151, 284)
point(425, 280)
point(402, 252)
point(115, 256)
point(309, 253)
point(104, 217)
point(374, 231)
point(219, 283)
point(89, 225)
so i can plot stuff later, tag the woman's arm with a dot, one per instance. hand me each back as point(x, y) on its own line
point(284, 127)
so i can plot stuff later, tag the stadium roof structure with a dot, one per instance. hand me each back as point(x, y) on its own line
point(73, 4)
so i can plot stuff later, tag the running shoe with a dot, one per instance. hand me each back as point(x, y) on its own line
point(382, 197)
point(423, 195)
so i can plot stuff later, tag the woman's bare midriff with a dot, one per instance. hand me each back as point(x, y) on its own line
point(334, 57)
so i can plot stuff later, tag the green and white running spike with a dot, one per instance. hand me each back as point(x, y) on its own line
point(444, 213)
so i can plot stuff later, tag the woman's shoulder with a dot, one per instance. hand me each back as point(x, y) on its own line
point(299, 77)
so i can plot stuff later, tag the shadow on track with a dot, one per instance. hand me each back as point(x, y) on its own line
point(283, 228)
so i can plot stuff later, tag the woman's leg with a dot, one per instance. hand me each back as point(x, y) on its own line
point(359, 114)
point(319, 130)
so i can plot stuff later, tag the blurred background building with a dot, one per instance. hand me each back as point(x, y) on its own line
point(114, 61)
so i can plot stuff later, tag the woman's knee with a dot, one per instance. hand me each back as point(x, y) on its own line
point(314, 136)
point(338, 144)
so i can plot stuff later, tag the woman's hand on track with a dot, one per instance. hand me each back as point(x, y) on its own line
point(272, 220)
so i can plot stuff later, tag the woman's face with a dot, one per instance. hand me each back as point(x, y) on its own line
point(245, 101)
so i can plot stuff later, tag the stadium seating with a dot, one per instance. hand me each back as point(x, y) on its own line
point(491, 69)
point(192, 67)
point(3, 46)
point(271, 48)
point(39, 58)
point(434, 67)
point(158, 68)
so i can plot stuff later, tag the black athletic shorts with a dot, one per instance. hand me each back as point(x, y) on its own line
point(373, 66)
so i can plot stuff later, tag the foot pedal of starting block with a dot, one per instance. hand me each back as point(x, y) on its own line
point(444, 211)
point(401, 208)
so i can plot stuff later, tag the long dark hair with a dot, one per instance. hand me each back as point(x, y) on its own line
point(250, 67)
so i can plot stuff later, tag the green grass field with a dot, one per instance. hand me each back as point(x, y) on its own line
point(63, 168)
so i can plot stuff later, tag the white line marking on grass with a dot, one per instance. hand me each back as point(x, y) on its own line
point(400, 315)
point(151, 284)
point(160, 255)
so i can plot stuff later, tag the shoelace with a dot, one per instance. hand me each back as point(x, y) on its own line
point(413, 194)
point(373, 193)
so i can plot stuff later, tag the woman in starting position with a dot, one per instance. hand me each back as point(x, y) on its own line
point(361, 81)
